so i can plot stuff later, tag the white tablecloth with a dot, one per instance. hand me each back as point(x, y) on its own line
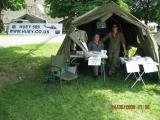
point(148, 64)
point(90, 54)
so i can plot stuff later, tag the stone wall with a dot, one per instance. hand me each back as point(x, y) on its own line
point(32, 8)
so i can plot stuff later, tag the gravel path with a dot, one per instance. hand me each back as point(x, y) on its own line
point(13, 40)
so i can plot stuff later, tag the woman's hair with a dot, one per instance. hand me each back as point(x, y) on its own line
point(95, 35)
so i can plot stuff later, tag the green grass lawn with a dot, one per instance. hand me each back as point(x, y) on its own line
point(23, 96)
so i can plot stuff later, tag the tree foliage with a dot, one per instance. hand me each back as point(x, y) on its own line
point(62, 8)
point(12, 4)
point(148, 10)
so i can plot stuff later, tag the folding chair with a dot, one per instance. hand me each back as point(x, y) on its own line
point(61, 68)
point(58, 65)
point(133, 68)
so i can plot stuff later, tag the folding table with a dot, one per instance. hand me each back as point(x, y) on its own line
point(91, 54)
point(132, 66)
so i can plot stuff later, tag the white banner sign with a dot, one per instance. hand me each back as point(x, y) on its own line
point(94, 61)
point(35, 28)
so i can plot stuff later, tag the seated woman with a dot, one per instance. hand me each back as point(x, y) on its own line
point(96, 45)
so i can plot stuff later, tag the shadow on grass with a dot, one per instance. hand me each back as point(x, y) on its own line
point(117, 82)
point(43, 102)
point(16, 65)
point(34, 100)
point(31, 99)
point(119, 85)
point(17, 56)
point(4, 115)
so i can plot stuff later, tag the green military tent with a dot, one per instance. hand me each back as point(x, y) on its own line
point(136, 33)
point(157, 37)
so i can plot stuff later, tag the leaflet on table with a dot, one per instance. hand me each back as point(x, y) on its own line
point(79, 53)
point(150, 67)
point(94, 61)
point(97, 53)
point(132, 67)
point(138, 59)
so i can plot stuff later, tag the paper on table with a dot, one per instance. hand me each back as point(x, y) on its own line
point(132, 67)
point(94, 61)
point(150, 67)
point(123, 60)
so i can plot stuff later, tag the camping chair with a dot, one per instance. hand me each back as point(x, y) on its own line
point(61, 69)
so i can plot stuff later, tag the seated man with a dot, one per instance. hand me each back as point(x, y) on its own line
point(95, 45)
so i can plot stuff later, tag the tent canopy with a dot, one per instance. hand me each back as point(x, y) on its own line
point(135, 32)
point(157, 37)
point(104, 12)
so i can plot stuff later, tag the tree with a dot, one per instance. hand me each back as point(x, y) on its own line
point(123, 4)
point(148, 10)
point(70, 8)
point(10, 4)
